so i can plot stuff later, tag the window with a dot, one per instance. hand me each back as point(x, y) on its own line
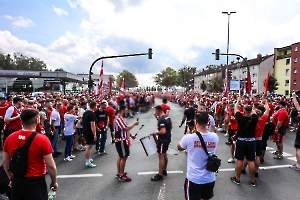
point(254, 75)
point(234, 77)
point(295, 82)
point(285, 52)
point(287, 82)
point(287, 61)
point(254, 82)
point(253, 67)
point(287, 92)
point(296, 48)
point(287, 72)
point(295, 60)
point(295, 71)
point(254, 91)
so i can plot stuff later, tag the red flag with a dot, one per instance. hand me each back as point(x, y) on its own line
point(100, 88)
point(267, 82)
point(122, 89)
point(249, 82)
point(110, 84)
point(225, 83)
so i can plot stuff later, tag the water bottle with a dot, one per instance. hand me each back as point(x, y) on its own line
point(52, 194)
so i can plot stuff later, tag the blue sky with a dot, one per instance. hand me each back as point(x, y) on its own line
point(71, 34)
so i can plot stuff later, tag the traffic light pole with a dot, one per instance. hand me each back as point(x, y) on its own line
point(118, 56)
point(233, 54)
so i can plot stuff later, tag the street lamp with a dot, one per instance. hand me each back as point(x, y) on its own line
point(239, 75)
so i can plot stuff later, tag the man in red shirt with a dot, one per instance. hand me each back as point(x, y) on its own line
point(33, 184)
point(12, 119)
point(281, 120)
point(2, 114)
point(233, 128)
point(165, 107)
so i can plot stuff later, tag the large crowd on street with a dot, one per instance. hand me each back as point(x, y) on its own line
point(86, 122)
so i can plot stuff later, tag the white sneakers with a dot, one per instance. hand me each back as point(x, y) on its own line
point(68, 159)
point(231, 160)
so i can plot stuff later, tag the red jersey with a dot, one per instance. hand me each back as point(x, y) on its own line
point(233, 122)
point(219, 109)
point(3, 109)
point(8, 104)
point(41, 129)
point(165, 107)
point(40, 146)
point(29, 107)
point(14, 125)
point(110, 114)
point(281, 115)
point(259, 130)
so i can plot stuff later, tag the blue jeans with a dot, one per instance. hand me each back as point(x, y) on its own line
point(100, 142)
point(54, 140)
point(69, 143)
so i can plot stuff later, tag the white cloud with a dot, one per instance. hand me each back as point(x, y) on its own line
point(60, 11)
point(20, 21)
point(72, 4)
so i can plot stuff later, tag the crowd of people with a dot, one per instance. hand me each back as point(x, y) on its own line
point(84, 120)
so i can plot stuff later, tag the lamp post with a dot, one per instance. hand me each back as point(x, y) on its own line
point(239, 75)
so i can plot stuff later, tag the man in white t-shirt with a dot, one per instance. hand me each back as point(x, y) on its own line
point(211, 122)
point(55, 126)
point(199, 182)
point(69, 119)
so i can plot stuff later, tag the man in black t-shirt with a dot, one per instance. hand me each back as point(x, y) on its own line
point(102, 122)
point(188, 115)
point(164, 139)
point(89, 132)
point(245, 144)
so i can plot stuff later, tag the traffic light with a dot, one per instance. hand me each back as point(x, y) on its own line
point(223, 74)
point(149, 53)
point(217, 54)
point(229, 75)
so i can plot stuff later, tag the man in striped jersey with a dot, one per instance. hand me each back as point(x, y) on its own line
point(122, 142)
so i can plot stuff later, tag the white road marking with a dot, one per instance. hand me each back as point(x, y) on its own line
point(79, 175)
point(162, 191)
point(293, 159)
point(269, 148)
point(263, 168)
point(155, 172)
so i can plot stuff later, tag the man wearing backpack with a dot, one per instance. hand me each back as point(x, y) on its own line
point(33, 184)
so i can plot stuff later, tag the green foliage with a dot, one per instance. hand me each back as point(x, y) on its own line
point(129, 78)
point(167, 77)
point(59, 70)
point(273, 84)
point(215, 84)
point(18, 61)
point(186, 76)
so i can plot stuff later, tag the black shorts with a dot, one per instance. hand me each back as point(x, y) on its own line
point(245, 149)
point(294, 120)
point(122, 149)
point(162, 147)
point(258, 146)
point(89, 138)
point(231, 133)
point(78, 132)
point(111, 128)
point(265, 138)
point(198, 191)
point(29, 188)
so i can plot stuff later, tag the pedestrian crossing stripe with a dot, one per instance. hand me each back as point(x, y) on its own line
point(269, 148)
point(293, 159)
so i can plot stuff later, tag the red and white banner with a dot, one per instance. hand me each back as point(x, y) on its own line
point(110, 84)
point(100, 87)
point(225, 83)
point(249, 83)
point(244, 90)
point(122, 89)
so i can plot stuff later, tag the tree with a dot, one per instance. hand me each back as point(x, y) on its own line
point(18, 61)
point(186, 76)
point(129, 78)
point(273, 84)
point(167, 77)
point(59, 70)
point(215, 84)
point(203, 86)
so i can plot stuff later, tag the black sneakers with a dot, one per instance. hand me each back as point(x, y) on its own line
point(234, 180)
point(253, 183)
point(157, 177)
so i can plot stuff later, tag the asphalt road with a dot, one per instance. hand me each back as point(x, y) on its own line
point(275, 182)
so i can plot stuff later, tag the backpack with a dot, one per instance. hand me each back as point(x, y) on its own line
point(18, 163)
point(294, 112)
point(4, 180)
point(269, 128)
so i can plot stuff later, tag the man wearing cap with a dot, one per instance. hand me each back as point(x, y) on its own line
point(12, 119)
point(281, 119)
point(101, 124)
